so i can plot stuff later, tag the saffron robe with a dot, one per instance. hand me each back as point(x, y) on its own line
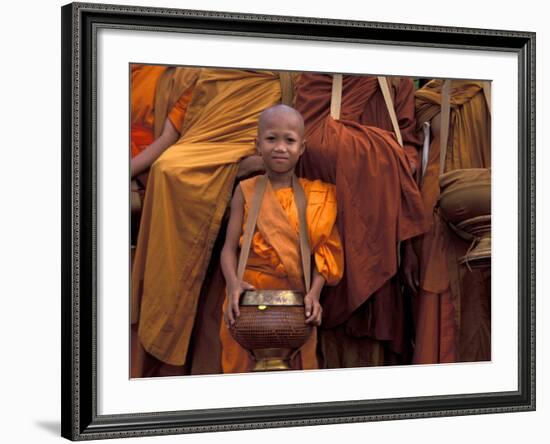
point(161, 92)
point(453, 307)
point(274, 261)
point(379, 205)
point(189, 188)
point(157, 93)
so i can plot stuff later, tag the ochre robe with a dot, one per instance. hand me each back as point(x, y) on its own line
point(453, 307)
point(379, 205)
point(188, 191)
point(157, 93)
point(274, 261)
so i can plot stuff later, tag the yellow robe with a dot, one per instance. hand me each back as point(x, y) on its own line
point(274, 261)
point(187, 194)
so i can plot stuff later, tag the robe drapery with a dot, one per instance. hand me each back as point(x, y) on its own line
point(157, 92)
point(379, 205)
point(453, 307)
point(274, 261)
point(189, 188)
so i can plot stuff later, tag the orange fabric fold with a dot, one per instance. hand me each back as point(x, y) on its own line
point(177, 114)
point(274, 261)
point(143, 88)
point(143, 85)
point(144, 92)
point(140, 138)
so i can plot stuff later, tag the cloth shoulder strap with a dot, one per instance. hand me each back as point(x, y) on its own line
point(162, 99)
point(487, 94)
point(445, 122)
point(383, 82)
point(336, 98)
point(171, 85)
point(287, 88)
point(336, 102)
point(305, 250)
point(250, 224)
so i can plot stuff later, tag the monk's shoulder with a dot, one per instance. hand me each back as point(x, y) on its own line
point(318, 191)
point(248, 186)
point(248, 182)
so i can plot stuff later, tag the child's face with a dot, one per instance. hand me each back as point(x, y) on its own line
point(280, 142)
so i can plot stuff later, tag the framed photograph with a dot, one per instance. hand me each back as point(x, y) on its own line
point(147, 178)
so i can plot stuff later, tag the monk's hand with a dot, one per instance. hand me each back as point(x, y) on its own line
point(233, 296)
point(313, 309)
point(410, 267)
point(250, 165)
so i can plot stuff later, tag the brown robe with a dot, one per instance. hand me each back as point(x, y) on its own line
point(379, 205)
point(453, 307)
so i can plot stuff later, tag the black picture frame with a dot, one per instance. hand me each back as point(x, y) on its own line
point(80, 420)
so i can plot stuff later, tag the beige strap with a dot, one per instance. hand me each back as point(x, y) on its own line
point(162, 103)
point(287, 88)
point(305, 250)
point(250, 224)
point(172, 84)
point(301, 204)
point(336, 99)
point(383, 82)
point(445, 122)
point(487, 93)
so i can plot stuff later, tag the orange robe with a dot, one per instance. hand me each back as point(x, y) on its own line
point(453, 307)
point(157, 93)
point(143, 86)
point(189, 188)
point(274, 261)
point(379, 205)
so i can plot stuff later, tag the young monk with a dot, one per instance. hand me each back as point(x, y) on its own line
point(274, 260)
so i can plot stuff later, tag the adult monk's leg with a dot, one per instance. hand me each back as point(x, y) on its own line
point(435, 338)
point(205, 350)
point(339, 349)
point(145, 365)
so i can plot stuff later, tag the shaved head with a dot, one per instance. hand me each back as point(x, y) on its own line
point(274, 112)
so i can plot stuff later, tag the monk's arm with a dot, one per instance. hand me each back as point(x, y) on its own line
point(313, 309)
point(231, 245)
point(144, 160)
point(235, 287)
point(250, 165)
